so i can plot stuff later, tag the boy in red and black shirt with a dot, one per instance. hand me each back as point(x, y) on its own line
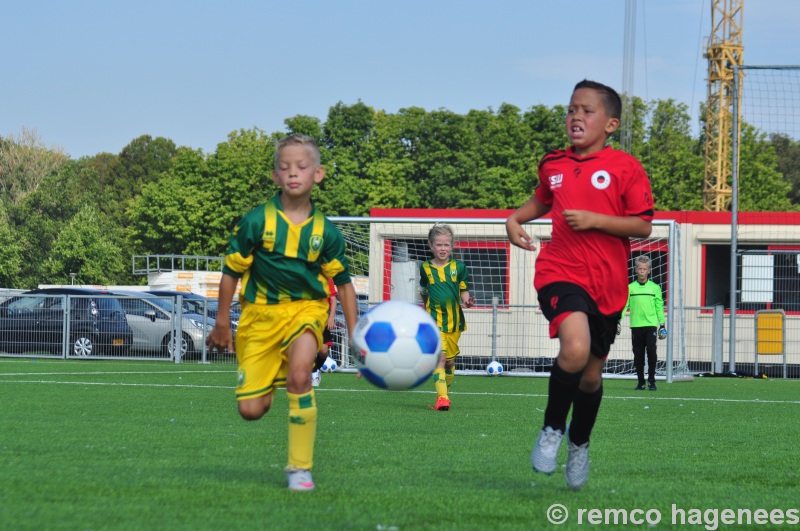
point(599, 197)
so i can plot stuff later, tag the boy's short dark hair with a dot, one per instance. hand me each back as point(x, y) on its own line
point(610, 97)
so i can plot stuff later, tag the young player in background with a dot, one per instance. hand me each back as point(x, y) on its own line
point(284, 251)
point(444, 286)
point(646, 303)
point(598, 197)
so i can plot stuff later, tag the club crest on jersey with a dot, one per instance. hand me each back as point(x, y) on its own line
point(556, 180)
point(315, 243)
point(601, 179)
point(453, 273)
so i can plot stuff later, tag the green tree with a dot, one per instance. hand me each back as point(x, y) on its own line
point(303, 125)
point(85, 248)
point(788, 152)
point(171, 215)
point(348, 151)
point(121, 178)
point(761, 186)
point(671, 157)
point(386, 180)
point(11, 251)
point(239, 178)
point(504, 155)
point(38, 219)
point(25, 163)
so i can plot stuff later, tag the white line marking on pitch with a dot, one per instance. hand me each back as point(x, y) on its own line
point(418, 391)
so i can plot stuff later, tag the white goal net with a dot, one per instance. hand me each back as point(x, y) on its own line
point(506, 324)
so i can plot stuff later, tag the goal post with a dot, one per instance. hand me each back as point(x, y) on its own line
point(506, 323)
point(766, 113)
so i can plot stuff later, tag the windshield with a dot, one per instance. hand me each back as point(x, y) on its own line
point(166, 304)
point(199, 305)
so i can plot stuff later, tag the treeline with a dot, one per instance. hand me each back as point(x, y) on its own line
point(89, 216)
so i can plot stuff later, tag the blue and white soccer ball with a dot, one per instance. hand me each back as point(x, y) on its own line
point(330, 365)
point(494, 368)
point(396, 345)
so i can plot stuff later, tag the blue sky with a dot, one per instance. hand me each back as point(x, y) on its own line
point(90, 76)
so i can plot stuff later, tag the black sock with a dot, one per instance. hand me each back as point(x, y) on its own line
point(560, 394)
point(584, 415)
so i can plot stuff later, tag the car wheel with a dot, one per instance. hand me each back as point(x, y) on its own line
point(82, 345)
point(168, 346)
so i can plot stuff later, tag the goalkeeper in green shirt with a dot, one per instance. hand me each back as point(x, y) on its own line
point(647, 321)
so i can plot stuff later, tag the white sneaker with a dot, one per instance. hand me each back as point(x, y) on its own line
point(545, 451)
point(577, 464)
point(316, 378)
point(299, 479)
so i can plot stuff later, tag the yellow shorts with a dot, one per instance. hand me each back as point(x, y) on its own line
point(450, 344)
point(263, 338)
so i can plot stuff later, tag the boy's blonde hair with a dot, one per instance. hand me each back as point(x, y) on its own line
point(440, 229)
point(297, 140)
point(642, 259)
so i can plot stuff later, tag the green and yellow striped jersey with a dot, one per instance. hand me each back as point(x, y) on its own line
point(279, 261)
point(444, 286)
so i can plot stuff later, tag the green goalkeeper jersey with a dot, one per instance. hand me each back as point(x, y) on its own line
point(279, 261)
point(646, 304)
point(443, 286)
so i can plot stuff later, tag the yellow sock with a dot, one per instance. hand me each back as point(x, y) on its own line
point(439, 383)
point(448, 376)
point(302, 429)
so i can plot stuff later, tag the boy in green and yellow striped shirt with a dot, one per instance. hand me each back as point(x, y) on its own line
point(283, 252)
point(444, 286)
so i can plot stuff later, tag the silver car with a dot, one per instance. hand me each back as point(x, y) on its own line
point(152, 320)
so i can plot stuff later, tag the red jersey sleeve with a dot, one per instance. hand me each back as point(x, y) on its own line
point(637, 197)
point(543, 192)
point(332, 287)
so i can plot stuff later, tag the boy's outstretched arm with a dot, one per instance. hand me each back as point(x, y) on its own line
point(467, 300)
point(622, 226)
point(532, 209)
point(221, 336)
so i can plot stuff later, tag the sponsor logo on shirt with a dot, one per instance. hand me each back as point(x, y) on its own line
point(556, 180)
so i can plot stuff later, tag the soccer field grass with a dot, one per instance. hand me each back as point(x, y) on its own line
point(137, 445)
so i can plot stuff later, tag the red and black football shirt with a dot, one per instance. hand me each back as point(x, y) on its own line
point(609, 182)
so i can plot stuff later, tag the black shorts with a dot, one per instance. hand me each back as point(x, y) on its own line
point(560, 299)
point(327, 337)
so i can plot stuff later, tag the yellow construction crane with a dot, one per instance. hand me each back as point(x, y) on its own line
point(724, 50)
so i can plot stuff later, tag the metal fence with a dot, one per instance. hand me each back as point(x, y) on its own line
point(103, 327)
point(132, 328)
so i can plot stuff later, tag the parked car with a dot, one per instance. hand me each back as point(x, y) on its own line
point(192, 302)
point(151, 317)
point(34, 322)
point(196, 303)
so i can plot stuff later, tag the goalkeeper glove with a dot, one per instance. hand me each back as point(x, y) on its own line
point(619, 327)
point(662, 332)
